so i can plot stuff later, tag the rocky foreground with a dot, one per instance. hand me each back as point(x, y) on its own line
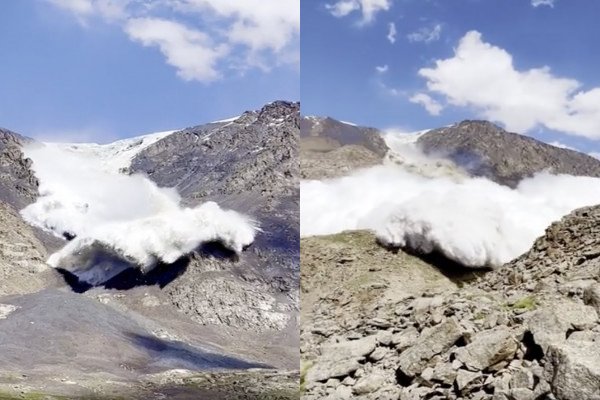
point(378, 325)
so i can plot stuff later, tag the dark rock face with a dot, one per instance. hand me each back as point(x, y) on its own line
point(331, 148)
point(487, 150)
point(18, 184)
point(249, 165)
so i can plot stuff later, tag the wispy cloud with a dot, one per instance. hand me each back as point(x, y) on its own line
point(391, 36)
point(368, 8)
point(382, 68)
point(537, 3)
point(204, 39)
point(426, 34)
point(84, 10)
point(343, 7)
point(432, 106)
point(483, 77)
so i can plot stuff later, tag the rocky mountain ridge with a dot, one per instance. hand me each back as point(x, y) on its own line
point(485, 149)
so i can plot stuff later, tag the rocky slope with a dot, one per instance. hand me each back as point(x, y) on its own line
point(18, 185)
point(22, 256)
point(487, 150)
point(249, 165)
point(331, 148)
point(529, 330)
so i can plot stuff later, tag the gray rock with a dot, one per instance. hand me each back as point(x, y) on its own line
point(488, 348)
point(343, 392)
point(464, 378)
point(522, 394)
point(369, 384)
point(550, 324)
point(574, 370)
point(433, 341)
point(591, 296)
point(444, 373)
point(341, 359)
point(327, 369)
point(378, 354)
point(384, 338)
point(405, 339)
point(521, 378)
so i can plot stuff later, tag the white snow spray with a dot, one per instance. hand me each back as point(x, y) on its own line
point(127, 218)
point(430, 206)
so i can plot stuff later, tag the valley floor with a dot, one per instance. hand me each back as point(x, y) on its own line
point(176, 384)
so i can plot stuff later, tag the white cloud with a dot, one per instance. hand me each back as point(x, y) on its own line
point(432, 106)
point(482, 76)
point(258, 24)
point(595, 154)
point(86, 9)
point(391, 36)
point(343, 7)
point(537, 3)
point(257, 33)
point(188, 50)
point(382, 68)
point(368, 8)
point(426, 35)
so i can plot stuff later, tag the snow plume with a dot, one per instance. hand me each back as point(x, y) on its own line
point(472, 221)
point(119, 220)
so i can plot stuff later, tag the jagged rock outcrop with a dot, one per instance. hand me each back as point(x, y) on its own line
point(331, 148)
point(18, 184)
point(22, 256)
point(487, 150)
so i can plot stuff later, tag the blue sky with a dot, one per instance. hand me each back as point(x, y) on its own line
point(529, 65)
point(82, 70)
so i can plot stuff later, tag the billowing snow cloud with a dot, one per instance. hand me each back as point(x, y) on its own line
point(429, 206)
point(126, 219)
point(483, 77)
